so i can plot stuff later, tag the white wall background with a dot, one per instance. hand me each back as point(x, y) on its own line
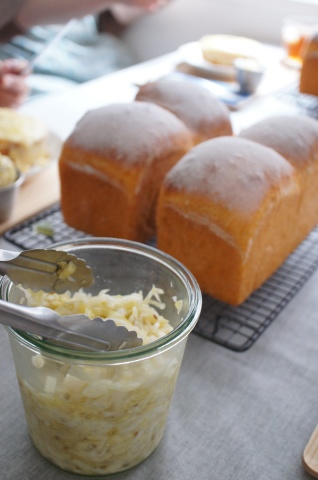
point(187, 20)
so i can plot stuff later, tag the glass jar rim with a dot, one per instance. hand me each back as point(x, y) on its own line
point(153, 348)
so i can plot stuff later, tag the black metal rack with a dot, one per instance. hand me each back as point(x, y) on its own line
point(305, 103)
point(235, 328)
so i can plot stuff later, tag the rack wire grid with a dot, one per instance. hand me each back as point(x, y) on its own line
point(305, 103)
point(235, 328)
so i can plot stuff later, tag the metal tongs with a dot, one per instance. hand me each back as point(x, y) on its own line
point(48, 270)
point(73, 331)
point(55, 270)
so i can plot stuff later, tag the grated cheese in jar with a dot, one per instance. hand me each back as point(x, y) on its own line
point(133, 311)
point(94, 418)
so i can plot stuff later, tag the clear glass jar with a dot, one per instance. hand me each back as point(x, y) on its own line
point(296, 32)
point(103, 413)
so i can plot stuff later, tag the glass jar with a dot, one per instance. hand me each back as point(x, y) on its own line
point(296, 31)
point(100, 413)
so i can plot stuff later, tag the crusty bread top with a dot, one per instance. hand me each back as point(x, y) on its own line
point(231, 186)
point(130, 133)
point(233, 172)
point(295, 137)
point(198, 108)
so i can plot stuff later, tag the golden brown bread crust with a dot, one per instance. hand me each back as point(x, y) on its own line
point(309, 71)
point(227, 211)
point(309, 75)
point(204, 115)
point(112, 165)
point(296, 139)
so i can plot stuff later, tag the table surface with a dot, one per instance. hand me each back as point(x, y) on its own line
point(234, 415)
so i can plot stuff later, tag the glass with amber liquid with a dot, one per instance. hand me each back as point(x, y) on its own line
point(296, 31)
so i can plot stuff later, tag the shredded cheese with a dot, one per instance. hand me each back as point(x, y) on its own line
point(100, 418)
point(133, 311)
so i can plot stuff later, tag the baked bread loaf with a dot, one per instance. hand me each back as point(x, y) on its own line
point(224, 49)
point(229, 210)
point(204, 114)
point(296, 139)
point(23, 139)
point(309, 70)
point(112, 165)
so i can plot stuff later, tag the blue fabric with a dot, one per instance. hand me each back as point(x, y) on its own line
point(83, 54)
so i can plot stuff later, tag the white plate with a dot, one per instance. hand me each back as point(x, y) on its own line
point(191, 55)
point(54, 144)
point(41, 84)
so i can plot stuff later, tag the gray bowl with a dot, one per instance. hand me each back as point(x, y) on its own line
point(8, 196)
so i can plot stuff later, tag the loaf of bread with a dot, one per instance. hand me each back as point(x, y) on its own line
point(23, 139)
point(205, 115)
point(112, 165)
point(224, 49)
point(296, 139)
point(229, 210)
point(309, 70)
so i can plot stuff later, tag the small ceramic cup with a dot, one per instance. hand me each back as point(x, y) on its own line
point(249, 73)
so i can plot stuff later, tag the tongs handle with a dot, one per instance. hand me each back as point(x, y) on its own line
point(5, 257)
point(19, 262)
point(42, 269)
point(43, 321)
point(10, 259)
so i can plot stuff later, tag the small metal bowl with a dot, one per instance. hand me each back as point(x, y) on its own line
point(8, 196)
point(249, 73)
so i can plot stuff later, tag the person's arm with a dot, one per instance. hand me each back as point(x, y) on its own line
point(37, 12)
point(125, 14)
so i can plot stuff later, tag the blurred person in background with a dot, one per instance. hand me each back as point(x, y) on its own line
point(18, 16)
point(13, 85)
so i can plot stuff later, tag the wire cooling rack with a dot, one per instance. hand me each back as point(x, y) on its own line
point(235, 328)
point(305, 103)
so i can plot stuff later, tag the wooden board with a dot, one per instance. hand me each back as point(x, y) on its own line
point(37, 193)
point(310, 456)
